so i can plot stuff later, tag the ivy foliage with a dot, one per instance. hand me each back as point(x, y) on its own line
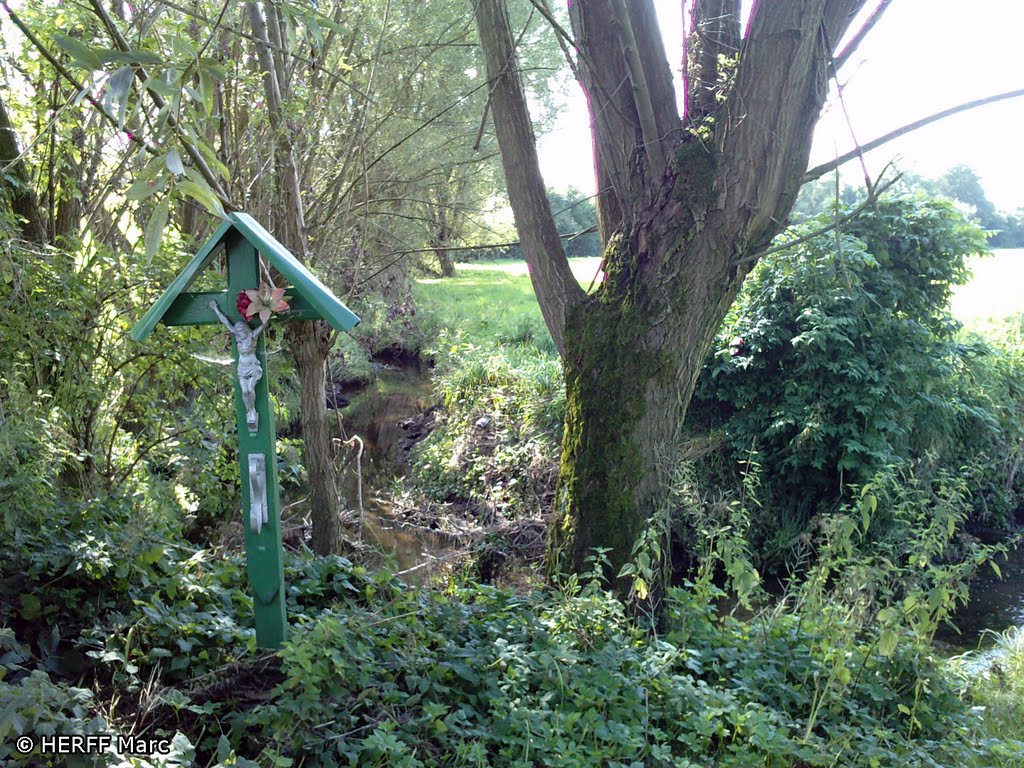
point(156, 633)
point(841, 356)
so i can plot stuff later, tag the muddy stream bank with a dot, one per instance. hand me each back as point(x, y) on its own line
point(393, 412)
point(378, 427)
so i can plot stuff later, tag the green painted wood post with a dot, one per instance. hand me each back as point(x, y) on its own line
point(244, 239)
point(263, 550)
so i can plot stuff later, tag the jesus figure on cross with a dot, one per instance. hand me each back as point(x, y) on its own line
point(249, 369)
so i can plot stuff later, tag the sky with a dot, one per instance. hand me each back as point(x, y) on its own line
point(922, 57)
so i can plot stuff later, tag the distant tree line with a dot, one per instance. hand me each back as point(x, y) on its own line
point(576, 220)
point(961, 184)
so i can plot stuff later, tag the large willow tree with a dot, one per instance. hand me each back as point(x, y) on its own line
point(690, 195)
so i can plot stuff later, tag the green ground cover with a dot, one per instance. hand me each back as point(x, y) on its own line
point(491, 303)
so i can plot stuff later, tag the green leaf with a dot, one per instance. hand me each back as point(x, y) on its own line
point(154, 232)
point(215, 69)
point(203, 194)
point(155, 553)
point(168, 84)
point(640, 586)
point(144, 187)
point(82, 54)
point(888, 615)
point(995, 567)
point(224, 750)
point(887, 642)
point(31, 608)
point(212, 160)
point(118, 87)
point(114, 56)
point(174, 164)
point(182, 46)
point(206, 90)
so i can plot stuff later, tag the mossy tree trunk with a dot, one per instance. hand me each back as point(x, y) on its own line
point(633, 352)
point(686, 204)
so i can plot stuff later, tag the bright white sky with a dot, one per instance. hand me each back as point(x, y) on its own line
point(922, 57)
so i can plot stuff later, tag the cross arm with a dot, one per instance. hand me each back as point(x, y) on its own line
point(193, 309)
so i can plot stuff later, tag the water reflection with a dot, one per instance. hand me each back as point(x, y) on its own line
point(376, 415)
point(996, 605)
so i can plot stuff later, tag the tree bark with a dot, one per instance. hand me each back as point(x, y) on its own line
point(714, 36)
point(553, 282)
point(441, 239)
point(19, 192)
point(445, 262)
point(310, 343)
point(633, 352)
point(679, 233)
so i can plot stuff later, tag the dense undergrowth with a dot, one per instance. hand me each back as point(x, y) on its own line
point(153, 639)
point(113, 621)
point(839, 359)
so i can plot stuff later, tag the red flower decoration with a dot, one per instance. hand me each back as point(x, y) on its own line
point(242, 303)
point(265, 301)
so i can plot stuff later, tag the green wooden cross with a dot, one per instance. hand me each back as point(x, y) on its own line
point(244, 240)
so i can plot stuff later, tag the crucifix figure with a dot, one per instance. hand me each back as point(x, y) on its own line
point(244, 242)
point(249, 369)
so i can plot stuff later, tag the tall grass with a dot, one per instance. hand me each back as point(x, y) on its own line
point(484, 307)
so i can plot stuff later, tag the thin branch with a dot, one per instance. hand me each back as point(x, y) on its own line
point(820, 170)
point(564, 38)
point(641, 91)
point(63, 72)
point(214, 29)
point(846, 116)
point(234, 30)
point(172, 121)
point(870, 201)
point(857, 39)
point(504, 70)
point(412, 133)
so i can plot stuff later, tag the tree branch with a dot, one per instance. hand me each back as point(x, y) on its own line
point(556, 287)
point(63, 72)
point(140, 73)
point(714, 32)
point(857, 39)
point(820, 170)
point(641, 93)
point(872, 198)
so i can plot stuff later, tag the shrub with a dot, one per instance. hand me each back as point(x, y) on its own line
point(840, 358)
point(480, 676)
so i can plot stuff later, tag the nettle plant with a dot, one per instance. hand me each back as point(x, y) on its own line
point(840, 355)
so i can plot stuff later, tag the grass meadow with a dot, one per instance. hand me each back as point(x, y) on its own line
point(493, 300)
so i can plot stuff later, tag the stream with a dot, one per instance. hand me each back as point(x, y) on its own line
point(399, 393)
point(375, 413)
point(996, 605)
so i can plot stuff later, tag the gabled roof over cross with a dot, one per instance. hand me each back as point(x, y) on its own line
point(309, 298)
